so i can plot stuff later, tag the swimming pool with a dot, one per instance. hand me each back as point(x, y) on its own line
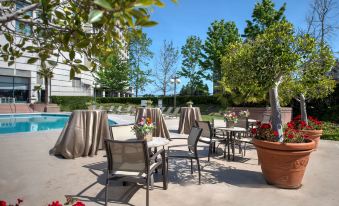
point(34, 122)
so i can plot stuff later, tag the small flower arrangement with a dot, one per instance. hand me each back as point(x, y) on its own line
point(265, 132)
point(244, 114)
point(231, 117)
point(69, 201)
point(189, 103)
point(4, 203)
point(297, 123)
point(144, 126)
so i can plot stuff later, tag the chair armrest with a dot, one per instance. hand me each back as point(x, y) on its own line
point(179, 138)
point(179, 145)
point(155, 155)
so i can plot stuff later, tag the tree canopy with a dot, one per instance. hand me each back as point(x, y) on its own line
point(191, 54)
point(66, 31)
point(264, 15)
point(220, 34)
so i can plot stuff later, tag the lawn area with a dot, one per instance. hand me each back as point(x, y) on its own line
point(331, 131)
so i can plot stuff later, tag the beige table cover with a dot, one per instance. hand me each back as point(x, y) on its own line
point(83, 135)
point(188, 116)
point(156, 115)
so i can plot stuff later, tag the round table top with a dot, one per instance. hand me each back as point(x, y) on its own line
point(157, 142)
point(252, 120)
point(232, 129)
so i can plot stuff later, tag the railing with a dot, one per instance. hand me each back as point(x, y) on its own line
point(7, 100)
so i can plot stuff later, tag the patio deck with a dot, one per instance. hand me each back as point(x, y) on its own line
point(29, 172)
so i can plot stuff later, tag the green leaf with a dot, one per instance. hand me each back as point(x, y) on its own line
point(9, 37)
point(71, 73)
point(59, 14)
point(144, 3)
point(32, 60)
point(82, 67)
point(5, 47)
point(104, 4)
point(147, 23)
point(71, 55)
point(78, 61)
point(95, 16)
point(52, 63)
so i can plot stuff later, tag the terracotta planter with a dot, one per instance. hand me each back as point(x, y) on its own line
point(284, 164)
point(313, 135)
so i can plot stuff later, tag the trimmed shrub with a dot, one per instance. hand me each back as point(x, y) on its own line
point(69, 103)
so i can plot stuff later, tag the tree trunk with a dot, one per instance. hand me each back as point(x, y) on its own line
point(303, 108)
point(276, 111)
point(46, 90)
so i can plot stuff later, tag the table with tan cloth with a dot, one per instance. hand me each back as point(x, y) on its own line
point(83, 135)
point(188, 116)
point(159, 121)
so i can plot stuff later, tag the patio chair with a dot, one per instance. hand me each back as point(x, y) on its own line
point(126, 111)
point(192, 152)
point(118, 110)
point(129, 161)
point(111, 109)
point(100, 108)
point(168, 111)
point(175, 113)
point(243, 137)
point(266, 118)
point(162, 109)
point(122, 132)
point(207, 136)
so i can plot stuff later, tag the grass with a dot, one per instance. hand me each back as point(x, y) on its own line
point(331, 131)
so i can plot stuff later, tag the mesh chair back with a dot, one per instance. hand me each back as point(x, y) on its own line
point(193, 138)
point(131, 156)
point(176, 111)
point(206, 128)
point(122, 132)
point(129, 109)
point(169, 110)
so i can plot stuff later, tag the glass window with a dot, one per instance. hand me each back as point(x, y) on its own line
point(17, 87)
point(76, 82)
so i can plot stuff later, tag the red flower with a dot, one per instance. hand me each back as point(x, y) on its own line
point(56, 203)
point(290, 125)
point(276, 133)
point(265, 126)
point(78, 203)
point(3, 203)
point(290, 136)
point(254, 130)
point(19, 201)
point(258, 123)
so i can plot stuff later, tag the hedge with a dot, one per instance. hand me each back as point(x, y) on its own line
point(69, 103)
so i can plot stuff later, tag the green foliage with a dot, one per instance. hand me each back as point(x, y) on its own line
point(191, 53)
point(264, 15)
point(68, 29)
point(198, 89)
point(220, 34)
point(114, 74)
point(69, 103)
point(253, 67)
point(139, 55)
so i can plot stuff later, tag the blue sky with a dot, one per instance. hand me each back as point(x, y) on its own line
point(193, 17)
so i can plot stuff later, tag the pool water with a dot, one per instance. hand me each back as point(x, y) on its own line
point(34, 122)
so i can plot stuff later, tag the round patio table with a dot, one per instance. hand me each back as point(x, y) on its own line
point(157, 118)
point(83, 135)
point(229, 133)
point(188, 116)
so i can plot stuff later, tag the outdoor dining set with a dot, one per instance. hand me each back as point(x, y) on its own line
point(131, 159)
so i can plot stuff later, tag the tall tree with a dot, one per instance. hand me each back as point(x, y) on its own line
point(191, 54)
point(199, 89)
point(264, 15)
point(139, 55)
point(260, 65)
point(220, 34)
point(165, 67)
point(47, 73)
point(72, 27)
point(114, 74)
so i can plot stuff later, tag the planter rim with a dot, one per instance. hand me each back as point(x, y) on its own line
point(312, 130)
point(310, 145)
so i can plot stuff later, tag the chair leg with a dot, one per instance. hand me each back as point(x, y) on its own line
point(209, 152)
point(244, 149)
point(199, 170)
point(164, 175)
point(191, 166)
point(106, 192)
point(152, 181)
point(147, 190)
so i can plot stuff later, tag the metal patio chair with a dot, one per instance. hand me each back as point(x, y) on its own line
point(129, 161)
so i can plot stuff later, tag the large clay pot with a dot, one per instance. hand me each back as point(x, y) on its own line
point(313, 135)
point(284, 164)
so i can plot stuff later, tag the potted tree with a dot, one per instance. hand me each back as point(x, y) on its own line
point(258, 66)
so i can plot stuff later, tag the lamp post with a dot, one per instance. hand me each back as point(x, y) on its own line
point(175, 80)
